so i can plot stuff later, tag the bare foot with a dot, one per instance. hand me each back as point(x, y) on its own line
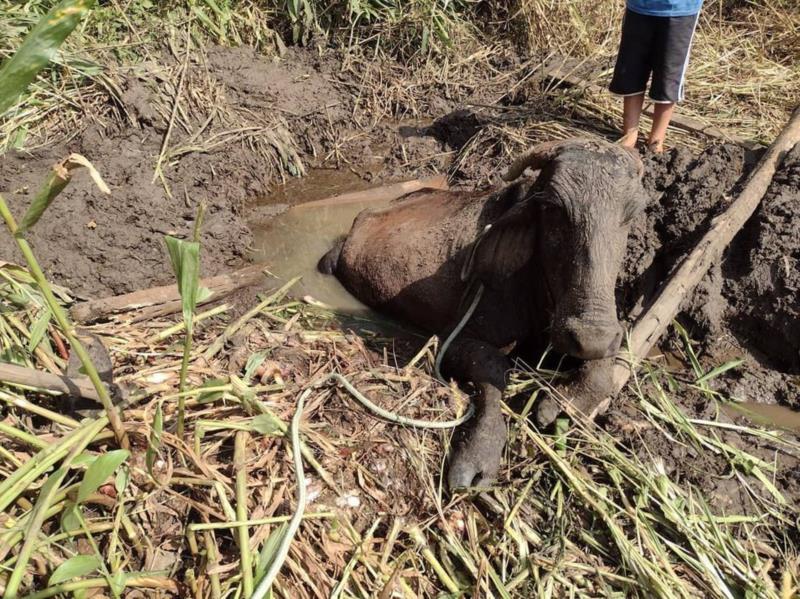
point(656, 147)
point(629, 139)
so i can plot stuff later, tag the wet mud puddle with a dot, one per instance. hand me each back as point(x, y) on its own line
point(291, 237)
point(774, 416)
point(769, 415)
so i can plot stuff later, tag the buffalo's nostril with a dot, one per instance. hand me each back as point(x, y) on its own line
point(574, 342)
point(615, 344)
point(477, 479)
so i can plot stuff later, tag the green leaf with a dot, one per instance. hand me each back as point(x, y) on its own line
point(84, 459)
point(38, 329)
point(719, 370)
point(56, 181)
point(39, 48)
point(561, 431)
point(266, 424)
point(211, 396)
point(185, 258)
point(70, 519)
point(74, 567)
point(20, 135)
point(118, 582)
point(14, 354)
point(121, 481)
point(100, 470)
point(253, 363)
point(268, 550)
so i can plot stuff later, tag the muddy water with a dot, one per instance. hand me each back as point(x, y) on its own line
point(293, 241)
point(769, 415)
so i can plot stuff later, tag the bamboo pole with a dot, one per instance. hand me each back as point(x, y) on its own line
point(166, 295)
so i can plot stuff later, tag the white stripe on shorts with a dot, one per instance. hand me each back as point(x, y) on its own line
point(686, 61)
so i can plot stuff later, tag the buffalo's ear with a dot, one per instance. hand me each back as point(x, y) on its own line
point(502, 249)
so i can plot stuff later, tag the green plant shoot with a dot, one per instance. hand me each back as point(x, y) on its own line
point(185, 259)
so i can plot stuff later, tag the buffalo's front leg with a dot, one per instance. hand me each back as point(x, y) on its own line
point(479, 443)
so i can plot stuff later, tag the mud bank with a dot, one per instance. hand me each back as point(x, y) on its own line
point(98, 245)
point(752, 299)
point(307, 112)
point(245, 123)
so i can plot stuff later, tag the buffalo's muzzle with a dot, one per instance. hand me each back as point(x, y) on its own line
point(588, 341)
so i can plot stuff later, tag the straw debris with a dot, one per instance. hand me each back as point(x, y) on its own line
point(578, 512)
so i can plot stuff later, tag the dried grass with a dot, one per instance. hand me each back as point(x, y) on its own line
point(744, 64)
point(577, 512)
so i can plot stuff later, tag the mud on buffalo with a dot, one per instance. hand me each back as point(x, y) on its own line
point(536, 259)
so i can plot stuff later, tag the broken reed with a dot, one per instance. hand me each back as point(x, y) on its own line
point(55, 183)
point(185, 258)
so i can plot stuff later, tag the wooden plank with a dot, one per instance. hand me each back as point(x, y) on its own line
point(382, 193)
point(73, 386)
point(166, 296)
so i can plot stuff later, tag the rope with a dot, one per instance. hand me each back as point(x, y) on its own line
point(456, 331)
point(391, 416)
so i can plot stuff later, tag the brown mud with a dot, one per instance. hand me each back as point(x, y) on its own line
point(300, 110)
point(750, 303)
point(96, 245)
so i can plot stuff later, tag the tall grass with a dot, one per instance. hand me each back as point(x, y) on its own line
point(743, 62)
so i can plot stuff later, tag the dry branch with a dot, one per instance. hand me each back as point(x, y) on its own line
point(29, 377)
point(655, 320)
point(166, 298)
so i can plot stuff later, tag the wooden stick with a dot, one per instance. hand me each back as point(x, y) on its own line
point(377, 194)
point(655, 320)
point(73, 386)
point(167, 295)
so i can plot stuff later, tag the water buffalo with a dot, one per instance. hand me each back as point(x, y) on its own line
point(545, 252)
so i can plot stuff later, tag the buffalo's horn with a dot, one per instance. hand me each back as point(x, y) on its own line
point(537, 157)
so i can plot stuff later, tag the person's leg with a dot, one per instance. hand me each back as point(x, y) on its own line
point(632, 71)
point(631, 113)
point(673, 42)
point(662, 114)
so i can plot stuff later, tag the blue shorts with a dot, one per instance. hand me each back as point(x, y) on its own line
point(657, 46)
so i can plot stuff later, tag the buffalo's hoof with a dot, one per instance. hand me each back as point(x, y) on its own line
point(476, 459)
